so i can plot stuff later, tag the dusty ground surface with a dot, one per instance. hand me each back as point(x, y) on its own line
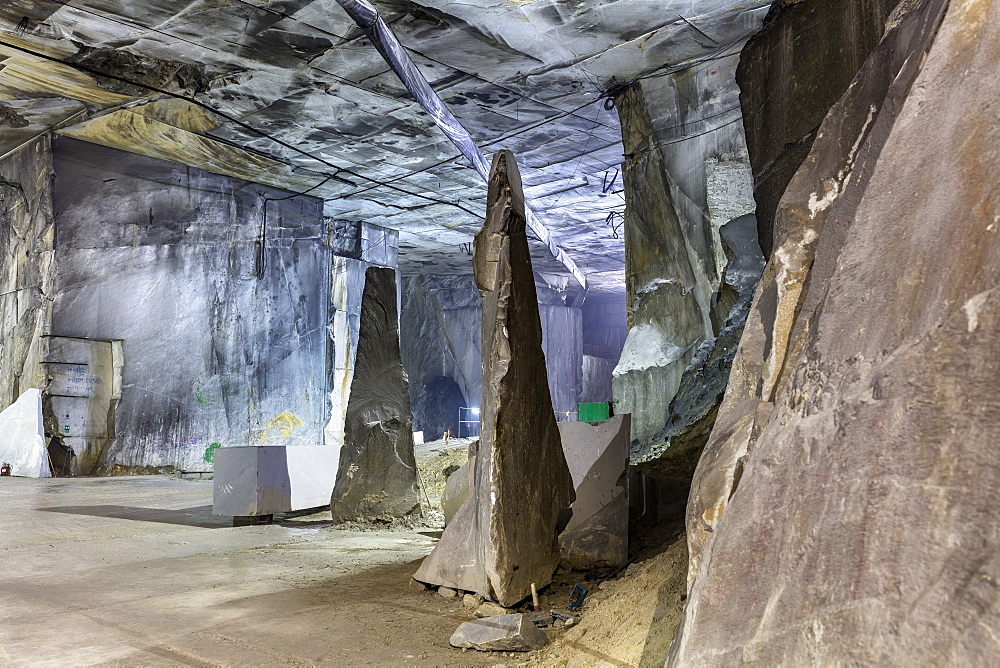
point(138, 571)
point(629, 620)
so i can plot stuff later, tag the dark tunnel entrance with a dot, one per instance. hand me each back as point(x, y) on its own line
point(436, 410)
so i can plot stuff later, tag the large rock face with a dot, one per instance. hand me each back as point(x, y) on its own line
point(218, 290)
point(665, 318)
point(503, 538)
point(790, 74)
point(378, 471)
point(686, 174)
point(843, 510)
point(27, 233)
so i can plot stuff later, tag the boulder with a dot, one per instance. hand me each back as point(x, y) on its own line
point(490, 609)
point(504, 633)
point(597, 454)
point(843, 511)
point(377, 477)
point(504, 537)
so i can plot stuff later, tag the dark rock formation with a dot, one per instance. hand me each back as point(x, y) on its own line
point(843, 510)
point(597, 455)
point(9, 117)
point(671, 456)
point(158, 73)
point(378, 471)
point(790, 74)
point(503, 538)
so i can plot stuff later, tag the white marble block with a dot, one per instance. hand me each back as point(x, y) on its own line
point(263, 480)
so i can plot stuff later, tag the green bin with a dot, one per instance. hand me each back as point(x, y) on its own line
point(598, 412)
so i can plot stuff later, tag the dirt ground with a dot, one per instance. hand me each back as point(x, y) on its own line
point(629, 620)
point(136, 570)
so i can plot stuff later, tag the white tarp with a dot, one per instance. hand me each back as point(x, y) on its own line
point(22, 437)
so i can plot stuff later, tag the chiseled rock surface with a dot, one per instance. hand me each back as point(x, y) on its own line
point(503, 538)
point(503, 633)
point(597, 455)
point(378, 470)
point(671, 456)
point(666, 322)
point(859, 430)
point(27, 234)
point(790, 74)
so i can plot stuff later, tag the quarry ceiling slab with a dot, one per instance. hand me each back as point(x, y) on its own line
point(305, 101)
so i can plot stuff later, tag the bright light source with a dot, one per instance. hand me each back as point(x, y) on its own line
point(475, 411)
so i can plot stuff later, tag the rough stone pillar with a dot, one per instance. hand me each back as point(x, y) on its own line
point(378, 471)
point(27, 267)
point(665, 318)
point(504, 537)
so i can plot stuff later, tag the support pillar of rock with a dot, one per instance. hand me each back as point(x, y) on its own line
point(504, 537)
point(378, 471)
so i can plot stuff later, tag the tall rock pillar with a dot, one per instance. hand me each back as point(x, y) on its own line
point(504, 537)
point(378, 471)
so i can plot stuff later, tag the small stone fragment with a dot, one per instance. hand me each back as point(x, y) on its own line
point(541, 619)
point(446, 592)
point(417, 586)
point(490, 609)
point(570, 622)
point(503, 633)
point(472, 600)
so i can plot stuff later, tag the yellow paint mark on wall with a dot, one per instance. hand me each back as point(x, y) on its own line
point(284, 423)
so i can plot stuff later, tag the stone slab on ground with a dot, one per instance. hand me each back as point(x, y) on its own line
point(504, 633)
point(378, 470)
point(504, 536)
point(598, 457)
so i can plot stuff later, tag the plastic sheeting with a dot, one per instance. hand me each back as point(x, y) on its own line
point(367, 17)
point(22, 439)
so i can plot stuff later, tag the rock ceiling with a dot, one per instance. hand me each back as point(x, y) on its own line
point(293, 94)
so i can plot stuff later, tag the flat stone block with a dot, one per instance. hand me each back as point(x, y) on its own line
point(597, 455)
point(263, 480)
point(504, 633)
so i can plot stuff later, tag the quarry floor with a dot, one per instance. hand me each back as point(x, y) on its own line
point(137, 570)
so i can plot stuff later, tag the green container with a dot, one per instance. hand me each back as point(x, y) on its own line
point(598, 412)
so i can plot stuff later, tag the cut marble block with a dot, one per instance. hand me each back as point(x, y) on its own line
point(263, 480)
point(504, 536)
point(378, 470)
point(22, 439)
point(597, 455)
